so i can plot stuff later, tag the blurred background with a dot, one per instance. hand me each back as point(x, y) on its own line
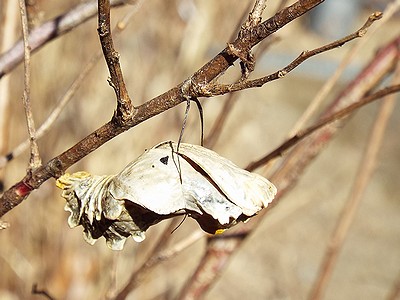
point(163, 44)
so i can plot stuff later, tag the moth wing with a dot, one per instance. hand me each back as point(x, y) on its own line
point(249, 191)
point(199, 191)
point(152, 181)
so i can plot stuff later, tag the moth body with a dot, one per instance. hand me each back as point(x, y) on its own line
point(162, 183)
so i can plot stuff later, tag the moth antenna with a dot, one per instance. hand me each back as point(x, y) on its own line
point(181, 135)
point(200, 109)
point(184, 123)
point(180, 223)
point(176, 162)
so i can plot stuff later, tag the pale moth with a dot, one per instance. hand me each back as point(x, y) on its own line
point(160, 184)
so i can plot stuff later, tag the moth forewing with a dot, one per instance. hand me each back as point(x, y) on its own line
point(152, 181)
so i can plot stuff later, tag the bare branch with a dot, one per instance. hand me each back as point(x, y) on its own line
point(50, 120)
point(125, 109)
point(389, 11)
point(44, 293)
point(157, 256)
point(47, 124)
point(34, 160)
point(50, 30)
point(364, 174)
point(10, 8)
point(323, 122)
point(197, 85)
point(255, 15)
point(220, 89)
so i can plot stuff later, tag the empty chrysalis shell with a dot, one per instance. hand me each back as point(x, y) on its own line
point(162, 183)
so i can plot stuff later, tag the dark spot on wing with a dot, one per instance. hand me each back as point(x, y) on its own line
point(164, 160)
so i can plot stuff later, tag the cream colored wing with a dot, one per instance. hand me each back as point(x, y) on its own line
point(249, 191)
point(152, 181)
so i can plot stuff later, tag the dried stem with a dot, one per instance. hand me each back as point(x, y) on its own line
point(34, 160)
point(365, 172)
point(50, 30)
point(8, 35)
point(216, 129)
point(218, 65)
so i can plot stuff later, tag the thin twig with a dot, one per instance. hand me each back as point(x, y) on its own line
point(42, 292)
point(219, 251)
point(253, 19)
point(219, 89)
point(216, 129)
point(50, 30)
point(50, 120)
point(321, 123)
point(125, 108)
point(156, 257)
point(53, 116)
point(229, 103)
point(389, 11)
point(381, 65)
point(34, 161)
point(10, 9)
point(365, 172)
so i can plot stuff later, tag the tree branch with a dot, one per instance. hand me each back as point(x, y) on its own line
point(125, 109)
point(48, 31)
point(363, 177)
point(220, 248)
point(56, 166)
point(34, 160)
point(65, 99)
point(323, 122)
point(220, 89)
